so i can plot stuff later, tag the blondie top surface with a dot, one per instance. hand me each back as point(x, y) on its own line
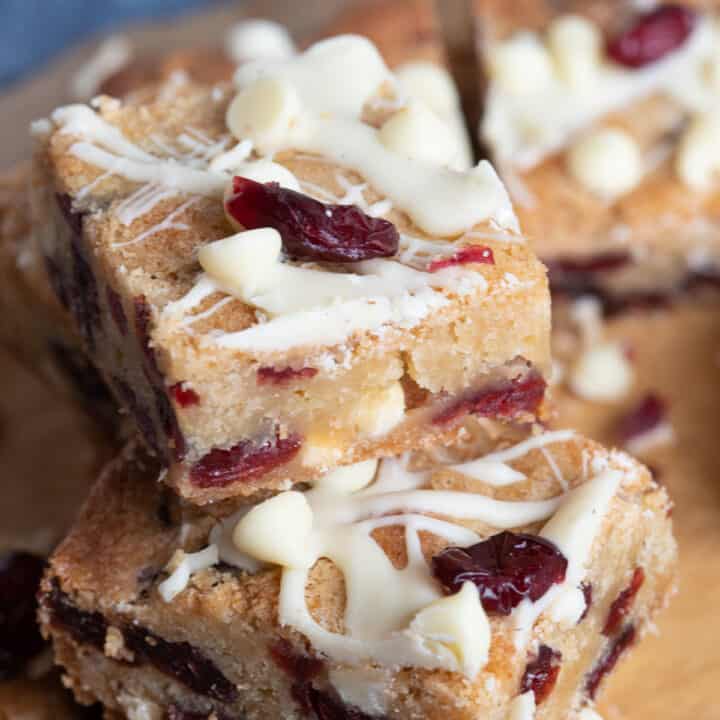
point(436, 585)
point(359, 259)
point(603, 120)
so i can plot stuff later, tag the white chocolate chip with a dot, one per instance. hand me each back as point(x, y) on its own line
point(607, 162)
point(602, 373)
point(266, 112)
point(363, 688)
point(417, 132)
point(278, 531)
point(588, 713)
point(430, 83)
point(575, 46)
point(457, 624)
point(380, 411)
point(259, 39)
point(348, 479)
point(523, 707)
point(698, 156)
point(244, 263)
point(521, 65)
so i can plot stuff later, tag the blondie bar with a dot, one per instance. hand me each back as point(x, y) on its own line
point(356, 292)
point(602, 119)
point(501, 577)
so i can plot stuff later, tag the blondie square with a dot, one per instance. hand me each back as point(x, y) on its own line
point(293, 274)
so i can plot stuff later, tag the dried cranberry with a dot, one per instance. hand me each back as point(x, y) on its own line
point(599, 262)
point(327, 705)
point(470, 254)
point(541, 674)
point(646, 416)
point(243, 462)
point(297, 665)
point(56, 281)
point(72, 218)
point(170, 425)
point(622, 604)
point(283, 376)
point(142, 417)
point(85, 627)
point(143, 318)
point(506, 400)
point(184, 396)
point(84, 299)
point(608, 661)
point(652, 36)
point(116, 310)
point(506, 568)
point(587, 591)
point(311, 230)
point(20, 639)
point(181, 661)
point(175, 712)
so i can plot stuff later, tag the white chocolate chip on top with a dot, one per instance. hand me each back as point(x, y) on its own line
point(348, 479)
point(417, 132)
point(380, 411)
point(697, 161)
point(259, 39)
point(243, 263)
point(607, 162)
point(278, 531)
point(602, 373)
point(521, 65)
point(575, 46)
point(457, 624)
point(265, 112)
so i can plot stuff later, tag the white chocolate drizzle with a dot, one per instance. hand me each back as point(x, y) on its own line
point(317, 99)
point(337, 519)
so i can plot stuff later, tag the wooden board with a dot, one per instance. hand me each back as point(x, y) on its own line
point(670, 677)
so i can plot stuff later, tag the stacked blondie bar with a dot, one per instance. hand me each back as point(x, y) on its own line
point(331, 340)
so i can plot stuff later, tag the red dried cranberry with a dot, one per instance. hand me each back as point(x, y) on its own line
point(590, 264)
point(652, 36)
point(20, 639)
point(587, 591)
point(143, 318)
point(181, 661)
point(297, 665)
point(85, 627)
point(541, 674)
point(56, 281)
point(506, 568)
point(84, 299)
point(116, 310)
point(311, 230)
point(144, 420)
point(608, 661)
point(242, 462)
point(184, 396)
point(327, 705)
point(170, 425)
point(622, 604)
point(507, 400)
point(282, 376)
point(470, 254)
point(646, 416)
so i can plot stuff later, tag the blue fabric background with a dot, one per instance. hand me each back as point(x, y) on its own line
point(33, 31)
